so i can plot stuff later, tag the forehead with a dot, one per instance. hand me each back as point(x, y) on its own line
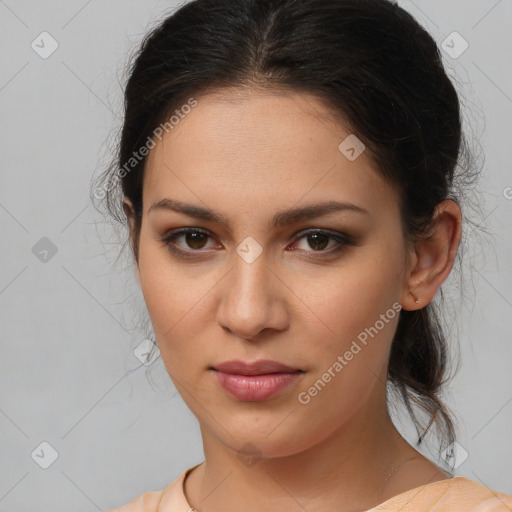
point(259, 148)
point(249, 120)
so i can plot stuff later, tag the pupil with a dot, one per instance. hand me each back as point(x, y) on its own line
point(194, 238)
point(316, 236)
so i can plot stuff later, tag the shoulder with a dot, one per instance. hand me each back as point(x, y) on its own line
point(457, 494)
point(147, 502)
point(476, 497)
point(170, 498)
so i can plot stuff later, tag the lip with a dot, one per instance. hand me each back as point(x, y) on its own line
point(261, 367)
point(257, 381)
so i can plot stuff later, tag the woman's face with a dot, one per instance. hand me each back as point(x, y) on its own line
point(251, 288)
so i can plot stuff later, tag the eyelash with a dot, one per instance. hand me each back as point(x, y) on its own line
point(169, 238)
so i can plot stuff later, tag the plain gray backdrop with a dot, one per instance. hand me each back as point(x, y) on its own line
point(84, 425)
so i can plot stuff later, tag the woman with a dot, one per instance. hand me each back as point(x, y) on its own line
point(288, 170)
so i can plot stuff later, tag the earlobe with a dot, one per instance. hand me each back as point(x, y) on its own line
point(434, 256)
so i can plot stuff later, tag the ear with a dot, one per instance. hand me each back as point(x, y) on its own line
point(431, 259)
point(130, 215)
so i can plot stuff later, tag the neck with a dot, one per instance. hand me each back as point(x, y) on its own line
point(348, 470)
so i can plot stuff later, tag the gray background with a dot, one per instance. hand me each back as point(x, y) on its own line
point(68, 372)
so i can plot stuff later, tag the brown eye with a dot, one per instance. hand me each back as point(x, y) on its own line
point(195, 240)
point(318, 241)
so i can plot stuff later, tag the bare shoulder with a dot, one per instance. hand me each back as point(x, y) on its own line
point(147, 502)
point(459, 493)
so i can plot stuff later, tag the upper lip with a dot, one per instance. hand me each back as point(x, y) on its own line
point(261, 367)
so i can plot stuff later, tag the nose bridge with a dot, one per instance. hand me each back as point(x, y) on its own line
point(249, 284)
point(249, 303)
point(250, 273)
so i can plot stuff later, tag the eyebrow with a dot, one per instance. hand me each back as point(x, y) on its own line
point(282, 218)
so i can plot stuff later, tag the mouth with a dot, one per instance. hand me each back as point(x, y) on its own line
point(257, 381)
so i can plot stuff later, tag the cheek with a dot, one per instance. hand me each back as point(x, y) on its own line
point(356, 303)
point(366, 282)
point(347, 366)
point(173, 300)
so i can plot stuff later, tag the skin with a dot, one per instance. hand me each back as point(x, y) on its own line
point(247, 155)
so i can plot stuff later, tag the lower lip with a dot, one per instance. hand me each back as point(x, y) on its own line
point(254, 388)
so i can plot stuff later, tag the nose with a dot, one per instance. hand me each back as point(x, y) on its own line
point(253, 300)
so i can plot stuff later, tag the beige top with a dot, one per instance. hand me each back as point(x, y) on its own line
point(456, 494)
